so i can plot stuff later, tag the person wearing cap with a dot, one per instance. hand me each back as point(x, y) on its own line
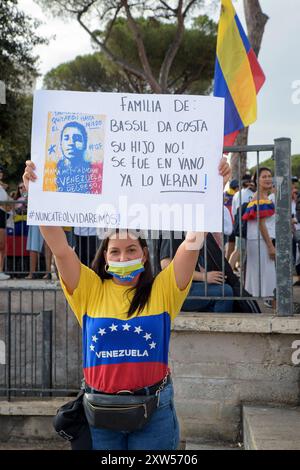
point(3, 215)
point(241, 199)
point(126, 314)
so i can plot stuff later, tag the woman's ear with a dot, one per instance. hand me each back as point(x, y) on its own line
point(105, 256)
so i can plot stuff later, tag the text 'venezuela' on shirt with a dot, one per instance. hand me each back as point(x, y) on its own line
point(121, 353)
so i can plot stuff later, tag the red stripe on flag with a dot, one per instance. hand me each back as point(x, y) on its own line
point(229, 139)
point(257, 72)
point(129, 376)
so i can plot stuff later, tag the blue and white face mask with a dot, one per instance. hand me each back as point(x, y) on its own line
point(125, 271)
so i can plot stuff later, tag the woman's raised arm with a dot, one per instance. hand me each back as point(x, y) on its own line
point(66, 260)
point(187, 254)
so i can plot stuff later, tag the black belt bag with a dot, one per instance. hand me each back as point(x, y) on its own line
point(119, 412)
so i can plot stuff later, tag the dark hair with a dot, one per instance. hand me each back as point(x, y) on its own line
point(145, 282)
point(78, 126)
point(246, 180)
point(18, 192)
point(257, 174)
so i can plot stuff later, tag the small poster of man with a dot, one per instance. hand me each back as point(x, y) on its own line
point(74, 153)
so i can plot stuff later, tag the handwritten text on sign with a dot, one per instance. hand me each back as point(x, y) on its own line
point(124, 160)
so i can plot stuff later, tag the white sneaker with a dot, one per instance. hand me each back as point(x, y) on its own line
point(4, 277)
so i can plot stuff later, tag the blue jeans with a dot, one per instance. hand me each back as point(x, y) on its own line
point(160, 433)
point(209, 304)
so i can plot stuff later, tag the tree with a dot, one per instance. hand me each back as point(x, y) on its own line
point(256, 21)
point(18, 72)
point(123, 17)
point(191, 71)
point(85, 73)
point(270, 163)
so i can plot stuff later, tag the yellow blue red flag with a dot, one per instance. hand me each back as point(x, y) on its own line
point(238, 75)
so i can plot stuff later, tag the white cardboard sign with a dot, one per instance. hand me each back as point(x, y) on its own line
point(120, 160)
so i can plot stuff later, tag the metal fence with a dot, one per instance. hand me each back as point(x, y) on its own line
point(41, 337)
point(41, 343)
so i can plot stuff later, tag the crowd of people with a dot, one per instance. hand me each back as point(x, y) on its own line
point(248, 242)
point(126, 313)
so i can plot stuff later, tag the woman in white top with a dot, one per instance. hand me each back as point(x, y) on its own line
point(260, 216)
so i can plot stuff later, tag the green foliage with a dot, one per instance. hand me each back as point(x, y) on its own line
point(191, 72)
point(85, 73)
point(296, 165)
point(270, 164)
point(17, 39)
point(17, 71)
point(193, 66)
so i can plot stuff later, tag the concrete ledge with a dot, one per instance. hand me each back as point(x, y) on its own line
point(237, 323)
point(33, 407)
point(270, 428)
point(30, 284)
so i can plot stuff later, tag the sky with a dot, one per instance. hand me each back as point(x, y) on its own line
point(278, 100)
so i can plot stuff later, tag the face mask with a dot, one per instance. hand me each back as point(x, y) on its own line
point(125, 270)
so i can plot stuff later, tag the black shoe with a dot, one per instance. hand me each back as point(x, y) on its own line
point(297, 283)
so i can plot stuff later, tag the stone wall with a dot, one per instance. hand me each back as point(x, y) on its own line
point(220, 362)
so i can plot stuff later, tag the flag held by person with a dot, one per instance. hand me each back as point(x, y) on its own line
point(238, 75)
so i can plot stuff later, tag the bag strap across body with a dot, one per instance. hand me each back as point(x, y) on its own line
point(151, 390)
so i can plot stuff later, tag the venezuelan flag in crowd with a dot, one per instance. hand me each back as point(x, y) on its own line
point(238, 75)
point(259, 209)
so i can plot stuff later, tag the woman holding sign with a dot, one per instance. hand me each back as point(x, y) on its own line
point(126, 315)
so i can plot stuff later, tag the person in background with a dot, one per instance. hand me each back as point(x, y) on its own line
point(216, 282)
point(20, 211)
point(21, 196)
point(3, 216)
point(86, 243)
point(240, 200)
point(260, 217)
point(34, 245)
point(295, 233)
point(228, 198)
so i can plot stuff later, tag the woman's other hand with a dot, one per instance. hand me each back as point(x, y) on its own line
point(224, 170)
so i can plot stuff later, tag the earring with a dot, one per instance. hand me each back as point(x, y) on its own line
point(106, 267)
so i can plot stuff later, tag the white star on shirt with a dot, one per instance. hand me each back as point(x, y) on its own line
point(152, 345)
point(113, 327)
point(94, 338)
point(126, 327)
point(137, 329)
point(102, 331)
point(147, 336)
point(92, 347)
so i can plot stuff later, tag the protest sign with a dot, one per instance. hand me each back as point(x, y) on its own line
point(126, 161)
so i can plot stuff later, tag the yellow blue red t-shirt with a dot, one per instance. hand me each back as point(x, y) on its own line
point(121, 353)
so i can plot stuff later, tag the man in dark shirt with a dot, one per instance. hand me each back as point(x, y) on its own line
point(215, 286)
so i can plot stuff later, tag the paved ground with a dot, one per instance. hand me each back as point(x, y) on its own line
point(34, 445)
